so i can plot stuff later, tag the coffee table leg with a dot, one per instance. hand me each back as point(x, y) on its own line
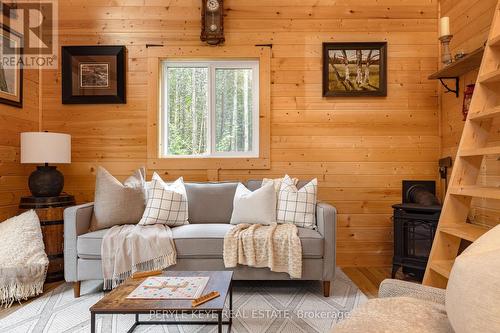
point(92, 322)
point(219, 321)
point(134, 325)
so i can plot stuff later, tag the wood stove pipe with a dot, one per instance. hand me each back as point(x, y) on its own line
point(418, 194)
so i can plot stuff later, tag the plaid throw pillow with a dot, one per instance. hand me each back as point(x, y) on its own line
point(167, 204)
point(297, 206)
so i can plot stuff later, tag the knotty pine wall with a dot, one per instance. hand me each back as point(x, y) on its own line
point(360, 149)
point(13, 121)
point(470, 25)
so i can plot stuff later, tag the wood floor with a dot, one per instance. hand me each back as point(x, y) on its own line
point(368, 279)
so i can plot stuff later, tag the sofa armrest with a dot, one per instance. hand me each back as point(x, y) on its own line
point(398, 288)
point(76, 222)
point(326, 219)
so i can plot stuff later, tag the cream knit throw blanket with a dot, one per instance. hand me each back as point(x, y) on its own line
point(23, 262)
point(127, 249)
point(274, 246)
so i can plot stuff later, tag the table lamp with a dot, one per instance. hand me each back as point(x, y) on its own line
point(45, 148)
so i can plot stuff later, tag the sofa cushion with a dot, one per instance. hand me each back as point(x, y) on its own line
point(312, 243)
point(116, 202)
point(167, 203)
point(257, 207)
point(396, 314)
point(199, 241)
point(297, 206)
point(208, 241)
point(89, 245)
point(210, 202)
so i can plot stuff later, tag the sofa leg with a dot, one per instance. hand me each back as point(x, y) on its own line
point(76, 288)
point(326, 288)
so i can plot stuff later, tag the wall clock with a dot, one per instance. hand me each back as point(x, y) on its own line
point(212, 22)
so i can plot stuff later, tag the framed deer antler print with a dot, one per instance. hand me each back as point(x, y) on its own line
point(354, 69)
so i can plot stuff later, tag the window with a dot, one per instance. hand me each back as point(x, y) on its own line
point(210, 108)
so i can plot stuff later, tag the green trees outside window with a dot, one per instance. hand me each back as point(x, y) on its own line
point(210, 108)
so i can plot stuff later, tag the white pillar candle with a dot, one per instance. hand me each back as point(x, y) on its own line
point(445, 26)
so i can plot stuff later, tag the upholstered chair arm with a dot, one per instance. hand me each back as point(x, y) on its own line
point(76, 222)
point(326, 219)
point(398, 288)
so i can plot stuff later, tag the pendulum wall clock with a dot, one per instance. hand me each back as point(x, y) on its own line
point(212, 22)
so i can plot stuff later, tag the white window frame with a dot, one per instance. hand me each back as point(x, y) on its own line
point(212, 65)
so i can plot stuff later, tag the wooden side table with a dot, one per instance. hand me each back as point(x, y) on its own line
point(50, 212)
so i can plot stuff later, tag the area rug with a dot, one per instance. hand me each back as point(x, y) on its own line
point(266, 306)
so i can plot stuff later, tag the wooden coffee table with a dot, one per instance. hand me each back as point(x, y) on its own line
point(116, 302)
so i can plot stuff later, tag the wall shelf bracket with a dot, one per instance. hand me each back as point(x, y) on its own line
point(448, 89)
point(458, 68)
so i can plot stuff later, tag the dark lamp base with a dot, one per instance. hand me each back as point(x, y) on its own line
point(46, 181)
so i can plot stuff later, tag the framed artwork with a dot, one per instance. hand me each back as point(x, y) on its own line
point(93, 75)
point(11, 76)
point(354, 69)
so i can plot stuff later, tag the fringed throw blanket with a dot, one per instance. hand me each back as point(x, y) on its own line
point(274, 246)
point(23, 262)
point(127, 249)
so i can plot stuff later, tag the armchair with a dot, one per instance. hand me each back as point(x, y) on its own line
point(470, 303)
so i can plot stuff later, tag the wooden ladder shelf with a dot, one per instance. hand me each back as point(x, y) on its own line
point(473, 147)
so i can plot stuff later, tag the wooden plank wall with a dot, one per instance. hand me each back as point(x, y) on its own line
point(470, 25)
point(13, 121)
point(359, 148)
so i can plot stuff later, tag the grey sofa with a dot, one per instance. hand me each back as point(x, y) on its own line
point(200, 243)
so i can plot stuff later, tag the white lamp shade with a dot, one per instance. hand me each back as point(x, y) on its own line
point(43, 147)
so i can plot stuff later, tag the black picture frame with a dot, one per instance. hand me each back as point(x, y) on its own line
point(16, 100)
point(69, 54)
point(367, 90)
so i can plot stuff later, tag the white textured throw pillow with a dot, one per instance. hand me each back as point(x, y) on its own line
point(23, 262)
point(258, 206)
point(297, 206)
point(167, 204)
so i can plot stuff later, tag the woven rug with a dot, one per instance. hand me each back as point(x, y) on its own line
point(266, 306)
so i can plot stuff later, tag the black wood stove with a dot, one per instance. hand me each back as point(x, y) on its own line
point(415, 222)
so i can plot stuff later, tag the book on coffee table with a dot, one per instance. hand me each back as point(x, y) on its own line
point(170, 287)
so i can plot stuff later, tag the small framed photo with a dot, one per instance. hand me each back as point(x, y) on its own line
point(93, 75)
point(11, 73)
point(354, 69)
